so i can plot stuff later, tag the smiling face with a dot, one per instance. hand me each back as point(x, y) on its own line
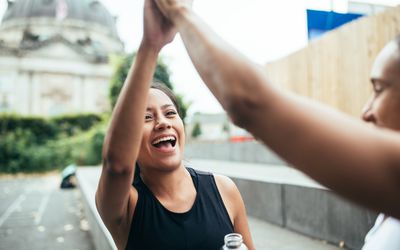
point(163, 134)
point(383, 108)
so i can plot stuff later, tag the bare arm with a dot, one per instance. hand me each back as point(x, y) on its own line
point(357, 161)
point(115, 197)
point(234, 204)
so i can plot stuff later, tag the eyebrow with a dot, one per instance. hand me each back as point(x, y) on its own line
point(165, 106)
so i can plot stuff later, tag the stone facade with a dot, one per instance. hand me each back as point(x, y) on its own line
point(52, 66)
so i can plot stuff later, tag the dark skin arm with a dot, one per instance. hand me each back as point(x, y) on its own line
point(355, 160)
point(115, 197)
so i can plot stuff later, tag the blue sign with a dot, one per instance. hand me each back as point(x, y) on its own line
point(319, 22)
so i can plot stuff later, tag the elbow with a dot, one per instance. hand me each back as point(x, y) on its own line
point(248, 97)
point(241, 108)
point(115, 165)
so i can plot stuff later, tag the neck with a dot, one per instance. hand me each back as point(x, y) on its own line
point(166, 183)
point(173, 189)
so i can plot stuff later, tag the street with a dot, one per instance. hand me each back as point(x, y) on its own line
point(36, 214)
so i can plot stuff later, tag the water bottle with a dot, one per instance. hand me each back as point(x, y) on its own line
point(234, 241)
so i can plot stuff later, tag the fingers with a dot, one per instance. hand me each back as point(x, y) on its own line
point(169, 8)
point(162, 6)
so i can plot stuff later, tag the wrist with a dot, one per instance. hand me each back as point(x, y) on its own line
point(148, 48)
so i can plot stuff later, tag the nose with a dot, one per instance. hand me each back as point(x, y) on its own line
point(367, 111)
point(162, 123)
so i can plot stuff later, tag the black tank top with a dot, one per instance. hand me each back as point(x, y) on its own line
point(203, 227)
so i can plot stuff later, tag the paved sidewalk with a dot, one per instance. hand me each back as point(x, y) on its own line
point(268, 236)
point(265, 235)
point(255, 171)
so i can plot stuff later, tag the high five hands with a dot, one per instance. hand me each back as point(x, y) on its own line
point(157, 29)
point(169, 8)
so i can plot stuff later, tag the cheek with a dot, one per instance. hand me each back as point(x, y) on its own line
point(389, 112)
point(182, 134)
point(395, 113)
point(182, 141)
point(145, 138)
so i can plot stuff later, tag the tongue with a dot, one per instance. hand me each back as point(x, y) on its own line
point(165, 146)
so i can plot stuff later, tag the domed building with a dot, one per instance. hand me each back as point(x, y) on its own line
point(54, 56)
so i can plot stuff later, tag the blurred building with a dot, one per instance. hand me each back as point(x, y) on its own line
point(367, 7)
point(54, 56)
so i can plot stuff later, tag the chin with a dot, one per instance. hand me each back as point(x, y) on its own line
point(171, 165)
point(168, 164)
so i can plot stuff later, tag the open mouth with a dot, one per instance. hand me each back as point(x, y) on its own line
point(165, 142)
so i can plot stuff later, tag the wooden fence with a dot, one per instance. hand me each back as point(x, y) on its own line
point(335, 68)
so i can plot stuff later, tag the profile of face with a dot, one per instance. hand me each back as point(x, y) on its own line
point(163, 134)
point(383, 107)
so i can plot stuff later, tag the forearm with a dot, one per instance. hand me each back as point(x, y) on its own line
point(342, 153)
point(124, 135)
point(236, 82)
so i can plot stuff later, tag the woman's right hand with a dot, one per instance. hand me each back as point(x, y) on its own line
point(157, 30)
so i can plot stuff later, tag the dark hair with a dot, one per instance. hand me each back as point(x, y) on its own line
point(162, 87)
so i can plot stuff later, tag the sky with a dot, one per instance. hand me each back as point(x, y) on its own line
point(263, 30)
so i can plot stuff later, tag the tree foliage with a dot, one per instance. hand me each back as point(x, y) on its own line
point(161, 74)
point(196, 132)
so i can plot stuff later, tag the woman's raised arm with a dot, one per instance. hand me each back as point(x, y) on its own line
point(115, 197)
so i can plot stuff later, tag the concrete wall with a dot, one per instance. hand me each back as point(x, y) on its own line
point(253, 152)
point(315, 212)
point(88, 180)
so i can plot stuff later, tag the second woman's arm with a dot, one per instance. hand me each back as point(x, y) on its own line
point(357, 161)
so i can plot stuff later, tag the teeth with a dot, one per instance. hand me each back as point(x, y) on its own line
point(167, 138)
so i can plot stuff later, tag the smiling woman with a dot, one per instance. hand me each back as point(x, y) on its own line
point(163, 136)
point(168, 206)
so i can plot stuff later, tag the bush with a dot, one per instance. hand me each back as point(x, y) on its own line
point(26, 148)
point(46, 129)
point(12, 149)
point(73, 124)
point(40, 129)
point(94, 156)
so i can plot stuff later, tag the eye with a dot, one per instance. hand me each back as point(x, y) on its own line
point(148, 117)
point(170, 113)
point(378, 87)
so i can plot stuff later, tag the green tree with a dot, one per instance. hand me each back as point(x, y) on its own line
point(226, 128)
point(161, 74)
point(196, 132)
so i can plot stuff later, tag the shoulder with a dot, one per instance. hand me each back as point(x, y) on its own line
point(227, 189)
point(225, 183)
point(230, 196)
